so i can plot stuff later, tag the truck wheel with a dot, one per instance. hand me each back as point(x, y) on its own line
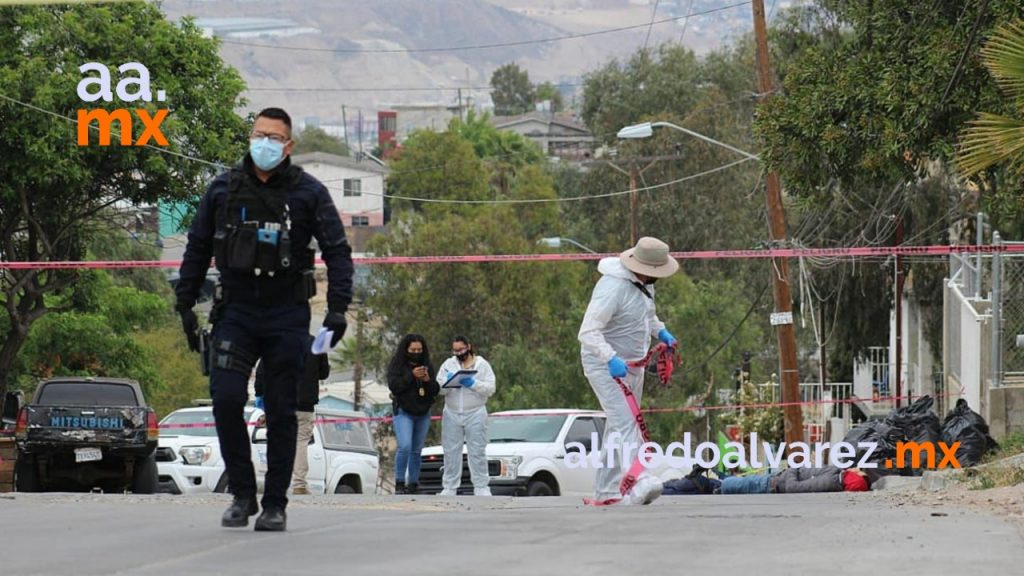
point(539, 488)
point(25, 475)
point(344, 489)
point(145, 480)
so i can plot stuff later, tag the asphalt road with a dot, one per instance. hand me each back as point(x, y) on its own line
point(751, 534)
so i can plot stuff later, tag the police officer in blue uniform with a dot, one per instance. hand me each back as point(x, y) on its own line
point(258, 220)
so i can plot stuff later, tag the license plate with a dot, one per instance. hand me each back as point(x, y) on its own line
point(88, 454)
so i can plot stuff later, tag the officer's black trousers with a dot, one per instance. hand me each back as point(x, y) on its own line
point(279, 335)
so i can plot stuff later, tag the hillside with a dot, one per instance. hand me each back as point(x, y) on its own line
point(317, 56)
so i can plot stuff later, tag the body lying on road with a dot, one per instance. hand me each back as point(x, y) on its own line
point(787, 481)
point(798, 480)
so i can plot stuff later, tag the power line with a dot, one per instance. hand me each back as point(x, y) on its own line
point(654, 14)
point(569, 199)
point(114, 134)
point(396, 89)
point(686, 23)
point(413, 199)
point(484, 46)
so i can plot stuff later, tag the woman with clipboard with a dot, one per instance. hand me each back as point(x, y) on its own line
point(467, 381)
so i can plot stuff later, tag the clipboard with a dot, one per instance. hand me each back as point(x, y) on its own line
point(451, 382)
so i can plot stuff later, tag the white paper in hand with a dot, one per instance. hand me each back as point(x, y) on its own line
point(322, 342)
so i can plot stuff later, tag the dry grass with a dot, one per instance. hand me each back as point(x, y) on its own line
point(993, 476)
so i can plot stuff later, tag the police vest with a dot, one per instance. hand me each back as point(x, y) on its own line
point(253, 233)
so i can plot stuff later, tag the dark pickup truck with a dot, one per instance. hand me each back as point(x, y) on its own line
point(85, 433)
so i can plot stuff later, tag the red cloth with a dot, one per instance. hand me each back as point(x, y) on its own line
point(853, 482)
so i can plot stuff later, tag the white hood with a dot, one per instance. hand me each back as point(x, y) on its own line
point(176, 442)
point(613, 266)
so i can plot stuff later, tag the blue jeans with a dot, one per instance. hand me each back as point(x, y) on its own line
point(410, 432)
point(757, 484)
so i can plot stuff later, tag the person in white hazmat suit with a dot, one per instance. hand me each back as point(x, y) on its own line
point(464, 419)
point(617, 328)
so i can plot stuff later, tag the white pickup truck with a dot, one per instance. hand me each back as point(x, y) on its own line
point(341, 456)
point(526, 455)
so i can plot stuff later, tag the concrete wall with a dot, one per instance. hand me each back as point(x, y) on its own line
point(1005, 411)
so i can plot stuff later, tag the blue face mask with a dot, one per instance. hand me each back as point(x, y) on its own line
point(266, 153)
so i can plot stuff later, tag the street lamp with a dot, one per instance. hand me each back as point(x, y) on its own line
point(556, 242)
point(783, 316)
point(646, 130)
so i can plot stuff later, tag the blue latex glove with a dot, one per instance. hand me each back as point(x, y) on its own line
point(467, 382)
point(667, 337)
point(617, 367)
point(259, 402)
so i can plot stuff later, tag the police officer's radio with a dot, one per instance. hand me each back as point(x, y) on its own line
point(255, 232)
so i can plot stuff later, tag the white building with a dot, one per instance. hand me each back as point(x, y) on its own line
point(430, 116)
point(557, 136)
point(356, 186)
point(251, 27)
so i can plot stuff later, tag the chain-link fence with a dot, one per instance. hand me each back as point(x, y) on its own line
point(1012, 312)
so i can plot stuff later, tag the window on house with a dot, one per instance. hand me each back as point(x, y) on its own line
point(360, 220)
point(353, 187)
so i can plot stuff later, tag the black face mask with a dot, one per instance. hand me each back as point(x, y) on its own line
point(415, 358)
point(462, 357)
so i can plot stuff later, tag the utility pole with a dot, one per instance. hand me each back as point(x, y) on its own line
point(634, 206)
point(344, 125)
point(783, 317)
point(899, 314)
point(823, 368)
point(360, 132)
point(634, 174)
point(357, 369)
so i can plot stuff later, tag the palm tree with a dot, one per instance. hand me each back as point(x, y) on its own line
point(991, 139)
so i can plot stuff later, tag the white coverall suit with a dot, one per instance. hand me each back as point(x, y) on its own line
point(620, 321)
point(464, 420)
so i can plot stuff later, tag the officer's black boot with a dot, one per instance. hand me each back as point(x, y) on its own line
point(400, 488)
point(238, 513)
point(412, 488)
point(272, 519)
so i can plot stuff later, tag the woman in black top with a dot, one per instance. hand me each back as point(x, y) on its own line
point(414, 388)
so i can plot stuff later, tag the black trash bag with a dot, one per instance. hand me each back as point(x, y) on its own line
point(962, 410)
point(967, 427)
point(882, 434)
point(859, 432)
point(917, 422)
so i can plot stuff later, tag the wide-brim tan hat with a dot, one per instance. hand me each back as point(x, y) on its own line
point(650, 257)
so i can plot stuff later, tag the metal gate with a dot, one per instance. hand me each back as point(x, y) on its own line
point(1008, 282)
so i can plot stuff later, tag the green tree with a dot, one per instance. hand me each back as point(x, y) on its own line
point(648, 83)
point(548, 91)
point(511, 90)
point(863, 140)
point(437, 166)
point(489, 143)
point(51, 189)
point(503, 152)
point(314, 139)
point(994, 138)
